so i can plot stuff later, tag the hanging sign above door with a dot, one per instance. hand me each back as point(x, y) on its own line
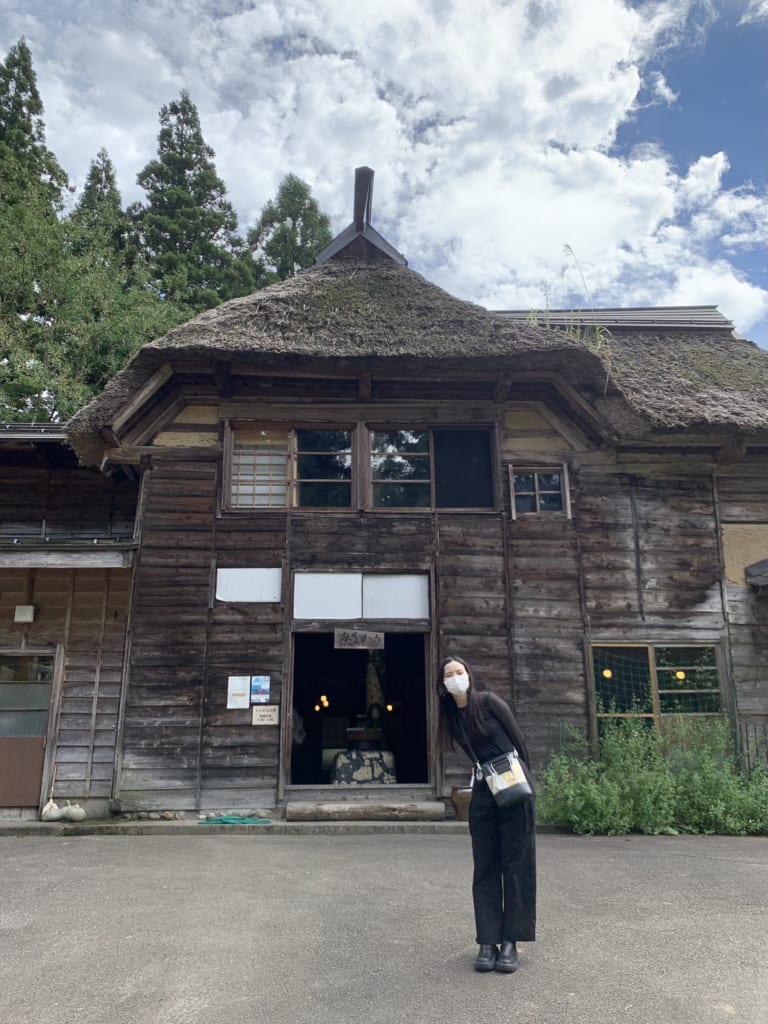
point(357, 639)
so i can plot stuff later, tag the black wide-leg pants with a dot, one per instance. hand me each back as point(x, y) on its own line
point(504, 880)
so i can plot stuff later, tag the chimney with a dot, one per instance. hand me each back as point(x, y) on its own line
point(363, 197)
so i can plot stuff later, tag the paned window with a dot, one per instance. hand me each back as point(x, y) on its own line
point(422, 467)
point(654, 681)
point(259, 469)
point(25, 689)
point(324, 468)
point(431, 468)
point(538, 490)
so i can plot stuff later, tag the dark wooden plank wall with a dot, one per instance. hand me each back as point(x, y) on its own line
point(65, 503)
point(743, 498)
point(472, 615)
point(547, 632)
point(160, 765)
point(85, 610)
point(650, 557)
point(239, 761)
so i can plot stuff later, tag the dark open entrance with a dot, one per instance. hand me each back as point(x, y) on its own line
point(346, 702)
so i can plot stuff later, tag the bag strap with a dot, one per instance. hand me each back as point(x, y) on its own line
point(465, 735)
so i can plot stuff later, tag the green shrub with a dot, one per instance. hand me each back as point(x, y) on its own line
point(687, 779)
point(573, 793)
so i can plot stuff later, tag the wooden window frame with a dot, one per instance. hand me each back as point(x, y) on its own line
point(534, 469)
point(292, 479)
point(489, 429)
point(655, 714)
point(361, 482)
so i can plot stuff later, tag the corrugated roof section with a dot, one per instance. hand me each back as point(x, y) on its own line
point(642, 317)
point(33, 431)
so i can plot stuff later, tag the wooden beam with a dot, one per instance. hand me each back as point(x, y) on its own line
point(364, 387)
point(135, 402)
point(223, 376)
point(501, 389)
point(91, 559)
point(136, 454)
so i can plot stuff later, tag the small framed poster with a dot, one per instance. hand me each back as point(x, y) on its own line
point(238, 691)
point(260, 689)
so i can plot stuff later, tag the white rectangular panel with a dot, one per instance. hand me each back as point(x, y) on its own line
point(396, 597)
point(327, 595)
point(257, 586)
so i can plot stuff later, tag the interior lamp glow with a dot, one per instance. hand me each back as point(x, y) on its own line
point(607, 673)
point(680, 675)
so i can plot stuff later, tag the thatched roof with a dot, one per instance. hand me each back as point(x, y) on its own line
point(360, 308)
point(692, 380)
point(357, 309)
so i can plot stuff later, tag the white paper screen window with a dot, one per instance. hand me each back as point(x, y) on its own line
point(328, 595)
point(395, 597)
point(260, 469)
point(354, 595)
point(257, 586)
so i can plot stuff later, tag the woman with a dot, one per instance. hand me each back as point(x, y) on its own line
point(504, 880)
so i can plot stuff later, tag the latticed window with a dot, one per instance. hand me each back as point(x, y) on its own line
point(538, 490)
point(654, 681)
point(259, 469)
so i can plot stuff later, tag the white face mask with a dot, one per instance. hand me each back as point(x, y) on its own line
point(457, 684)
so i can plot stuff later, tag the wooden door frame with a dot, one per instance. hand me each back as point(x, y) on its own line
point(49, 757)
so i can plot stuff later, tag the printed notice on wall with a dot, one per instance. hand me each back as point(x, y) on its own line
point(238, 691)
point(260, 689)
point(266, 714)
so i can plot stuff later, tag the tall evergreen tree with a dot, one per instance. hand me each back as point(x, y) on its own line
point(99, 208)
point(291, 230)
point(72, 310)
point(187, 226)
point(31, 242)
point(25, 160)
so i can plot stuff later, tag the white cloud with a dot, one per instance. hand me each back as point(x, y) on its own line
point(490, 126)
point(757, 11)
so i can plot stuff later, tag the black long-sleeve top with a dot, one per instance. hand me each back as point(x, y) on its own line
point(503, 734)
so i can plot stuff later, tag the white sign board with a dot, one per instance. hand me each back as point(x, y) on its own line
point(257, 586)
point(266, 714)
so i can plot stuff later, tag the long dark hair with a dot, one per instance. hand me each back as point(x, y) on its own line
point(448, 722)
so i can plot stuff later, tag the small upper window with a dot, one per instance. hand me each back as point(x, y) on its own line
point(538, 490)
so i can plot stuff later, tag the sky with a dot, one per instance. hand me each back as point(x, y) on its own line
point(528, 154)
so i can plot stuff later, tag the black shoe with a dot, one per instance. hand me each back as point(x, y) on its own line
point(486, 958)
point(507, 961)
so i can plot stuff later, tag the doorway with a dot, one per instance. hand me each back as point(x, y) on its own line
point(348, 701)
point(25, 698)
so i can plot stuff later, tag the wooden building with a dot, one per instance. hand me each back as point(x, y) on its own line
point(350, 474)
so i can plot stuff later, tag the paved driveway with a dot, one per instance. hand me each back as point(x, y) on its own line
point(224, 929)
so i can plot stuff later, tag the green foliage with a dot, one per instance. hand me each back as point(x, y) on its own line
point(685, 780)
point(24, 158)
point(187, 228)
point(80, 293)
point(290, 231)
point(74, 303)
